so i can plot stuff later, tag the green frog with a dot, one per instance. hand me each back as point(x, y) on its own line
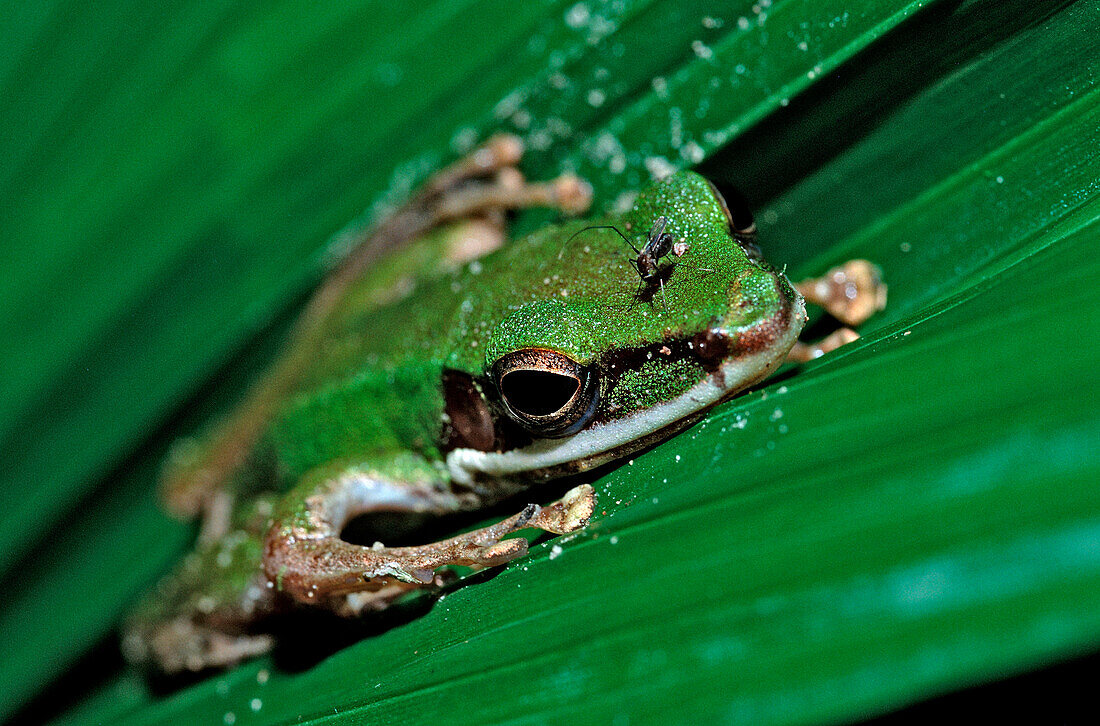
point(440, 370)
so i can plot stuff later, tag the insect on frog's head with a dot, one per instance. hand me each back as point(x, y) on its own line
point(587, 369)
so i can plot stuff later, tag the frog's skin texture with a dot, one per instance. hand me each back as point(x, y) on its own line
point(460, 384)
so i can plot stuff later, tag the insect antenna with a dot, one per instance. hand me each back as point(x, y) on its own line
point(694, 267)
point(597, 226)
point(680, 250)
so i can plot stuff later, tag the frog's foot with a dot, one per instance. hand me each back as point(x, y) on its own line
point(851, 292)
point(180, 645)
point(509, 190)
point(455, 191)
point(803, 352)
point(484, 183)
point(310, 562)
point(499, 152)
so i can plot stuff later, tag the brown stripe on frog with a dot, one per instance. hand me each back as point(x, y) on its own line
point(471, 421)
point(709, 348)
point(467, 422)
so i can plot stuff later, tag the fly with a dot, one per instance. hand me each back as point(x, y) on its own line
point(647, 263)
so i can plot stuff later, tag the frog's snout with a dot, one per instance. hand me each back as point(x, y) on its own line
point(777, 332)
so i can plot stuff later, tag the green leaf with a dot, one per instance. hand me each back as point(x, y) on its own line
point(911, 514)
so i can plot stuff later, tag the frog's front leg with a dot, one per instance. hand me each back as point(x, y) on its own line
point(306, 558)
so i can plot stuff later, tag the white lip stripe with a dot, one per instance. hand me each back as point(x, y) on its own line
point(464, 463)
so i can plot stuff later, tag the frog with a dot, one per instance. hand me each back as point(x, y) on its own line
point(441, 369)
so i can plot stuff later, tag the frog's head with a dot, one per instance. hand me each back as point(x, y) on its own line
point(591, 362)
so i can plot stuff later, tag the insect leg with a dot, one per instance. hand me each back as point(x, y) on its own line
point(693, 267)
point(597, 226)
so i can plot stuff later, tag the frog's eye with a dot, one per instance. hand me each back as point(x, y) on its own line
point(546, 392)
point(739, 217)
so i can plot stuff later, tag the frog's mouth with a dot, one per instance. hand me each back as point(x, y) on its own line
point(758, 352)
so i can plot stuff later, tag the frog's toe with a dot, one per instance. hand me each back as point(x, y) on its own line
point(569, 513)
point(572, 194)
point(851, 292)
point(804, 352)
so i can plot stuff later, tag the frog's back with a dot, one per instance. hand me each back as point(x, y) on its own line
point(575, 293)
point(441, 317)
